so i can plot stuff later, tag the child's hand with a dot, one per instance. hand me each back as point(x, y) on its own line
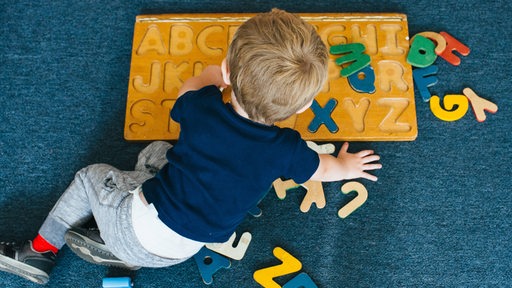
point(211, 75)
point(346, 165)
point(354, 165)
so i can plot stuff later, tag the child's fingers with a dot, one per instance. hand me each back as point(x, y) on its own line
point(371, 158)
point(372, 166)
point(369, 176)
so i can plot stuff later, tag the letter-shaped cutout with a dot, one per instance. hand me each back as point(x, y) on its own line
point(422, 53)
point(453, 44)
point(152, 41)
point(436, 37)
point(202, 37)
point(362, 195)
point(480, 105)
point(323, 116)
point(315, 194)
point(210, 262)
point(357, 112)
point(181, 40)
point(301, 281)
point(289, 265)
point(451, 113)
point(227, 248)
point(424, 78)
point(391, 72)
point(172, 77)
point(397, 107)
point(154, 80)
point(354, 53)
point(363, 81)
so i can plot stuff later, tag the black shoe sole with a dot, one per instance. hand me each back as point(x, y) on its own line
point(23, 270)
point(93, 252)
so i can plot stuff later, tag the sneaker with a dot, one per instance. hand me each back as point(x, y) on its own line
point(88, 245)
point(24, 261)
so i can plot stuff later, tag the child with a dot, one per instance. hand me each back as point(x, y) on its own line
point(225, 160)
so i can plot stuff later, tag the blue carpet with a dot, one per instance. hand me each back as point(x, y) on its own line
point(440, 215)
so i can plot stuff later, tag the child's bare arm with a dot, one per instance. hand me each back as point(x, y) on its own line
point(211, 75)
point(346, 165)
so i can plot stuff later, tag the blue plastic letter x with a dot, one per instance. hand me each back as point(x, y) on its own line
point(323, 116)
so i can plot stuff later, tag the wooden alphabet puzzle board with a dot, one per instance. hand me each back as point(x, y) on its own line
point(168, 49)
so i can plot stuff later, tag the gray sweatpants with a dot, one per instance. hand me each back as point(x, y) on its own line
point(102, 191)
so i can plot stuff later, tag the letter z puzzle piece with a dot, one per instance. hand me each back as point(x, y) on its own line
point(354, 55)
point(424, 78)
point(265, 277)
point(227, 249)
point(480, 105)
point(210, 262)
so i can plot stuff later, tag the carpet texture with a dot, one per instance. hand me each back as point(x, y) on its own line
point(439, 216)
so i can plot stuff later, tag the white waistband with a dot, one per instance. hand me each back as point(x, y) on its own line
point(155, 236)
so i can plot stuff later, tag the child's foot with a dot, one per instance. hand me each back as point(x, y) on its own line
point(24, 261)
point(88, 245)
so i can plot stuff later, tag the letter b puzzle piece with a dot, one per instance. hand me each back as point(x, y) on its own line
point(354, 53)
point(265, 277)
point(210, 262)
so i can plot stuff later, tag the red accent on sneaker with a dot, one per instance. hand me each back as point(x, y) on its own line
point(41, 245)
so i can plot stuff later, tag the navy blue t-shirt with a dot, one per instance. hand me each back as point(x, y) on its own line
point(222, 165)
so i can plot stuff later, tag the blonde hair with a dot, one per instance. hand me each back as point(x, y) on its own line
point(277, 64)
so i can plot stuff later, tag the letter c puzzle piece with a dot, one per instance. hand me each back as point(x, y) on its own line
point(210, 262)
point(227, 248)
point(265, 277)
point(452, 113)
point(480, 105)
point(362, 195)
point(300, 281)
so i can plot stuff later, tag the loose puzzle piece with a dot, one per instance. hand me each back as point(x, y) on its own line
point(227, 248)
point(436, 37)
point(265, 277)
point(363, 81)
point(424, 78)
point(456, 107)
point(315, 194)
point(353, 55)
point(362, 195)
point(282, 186)
point(255, 211)
point(422, 52)
point(301, 281)
point(210, 262)
point(480, 105)
point(321, 149)
point(453, 44)
point(323, 116)
point(170, 48)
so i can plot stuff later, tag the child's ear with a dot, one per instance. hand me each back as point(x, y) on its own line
point(305, 107)
point(225, 72)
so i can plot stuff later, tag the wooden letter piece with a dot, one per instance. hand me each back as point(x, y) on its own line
point(480, 105)
point(289, 265)
point(210, 262)
point(362, 195)
point(227, 248)
point(451, 113)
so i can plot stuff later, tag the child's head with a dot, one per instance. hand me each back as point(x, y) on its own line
point(277, 64)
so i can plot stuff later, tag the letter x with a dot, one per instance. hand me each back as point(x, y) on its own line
point(323, 116)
